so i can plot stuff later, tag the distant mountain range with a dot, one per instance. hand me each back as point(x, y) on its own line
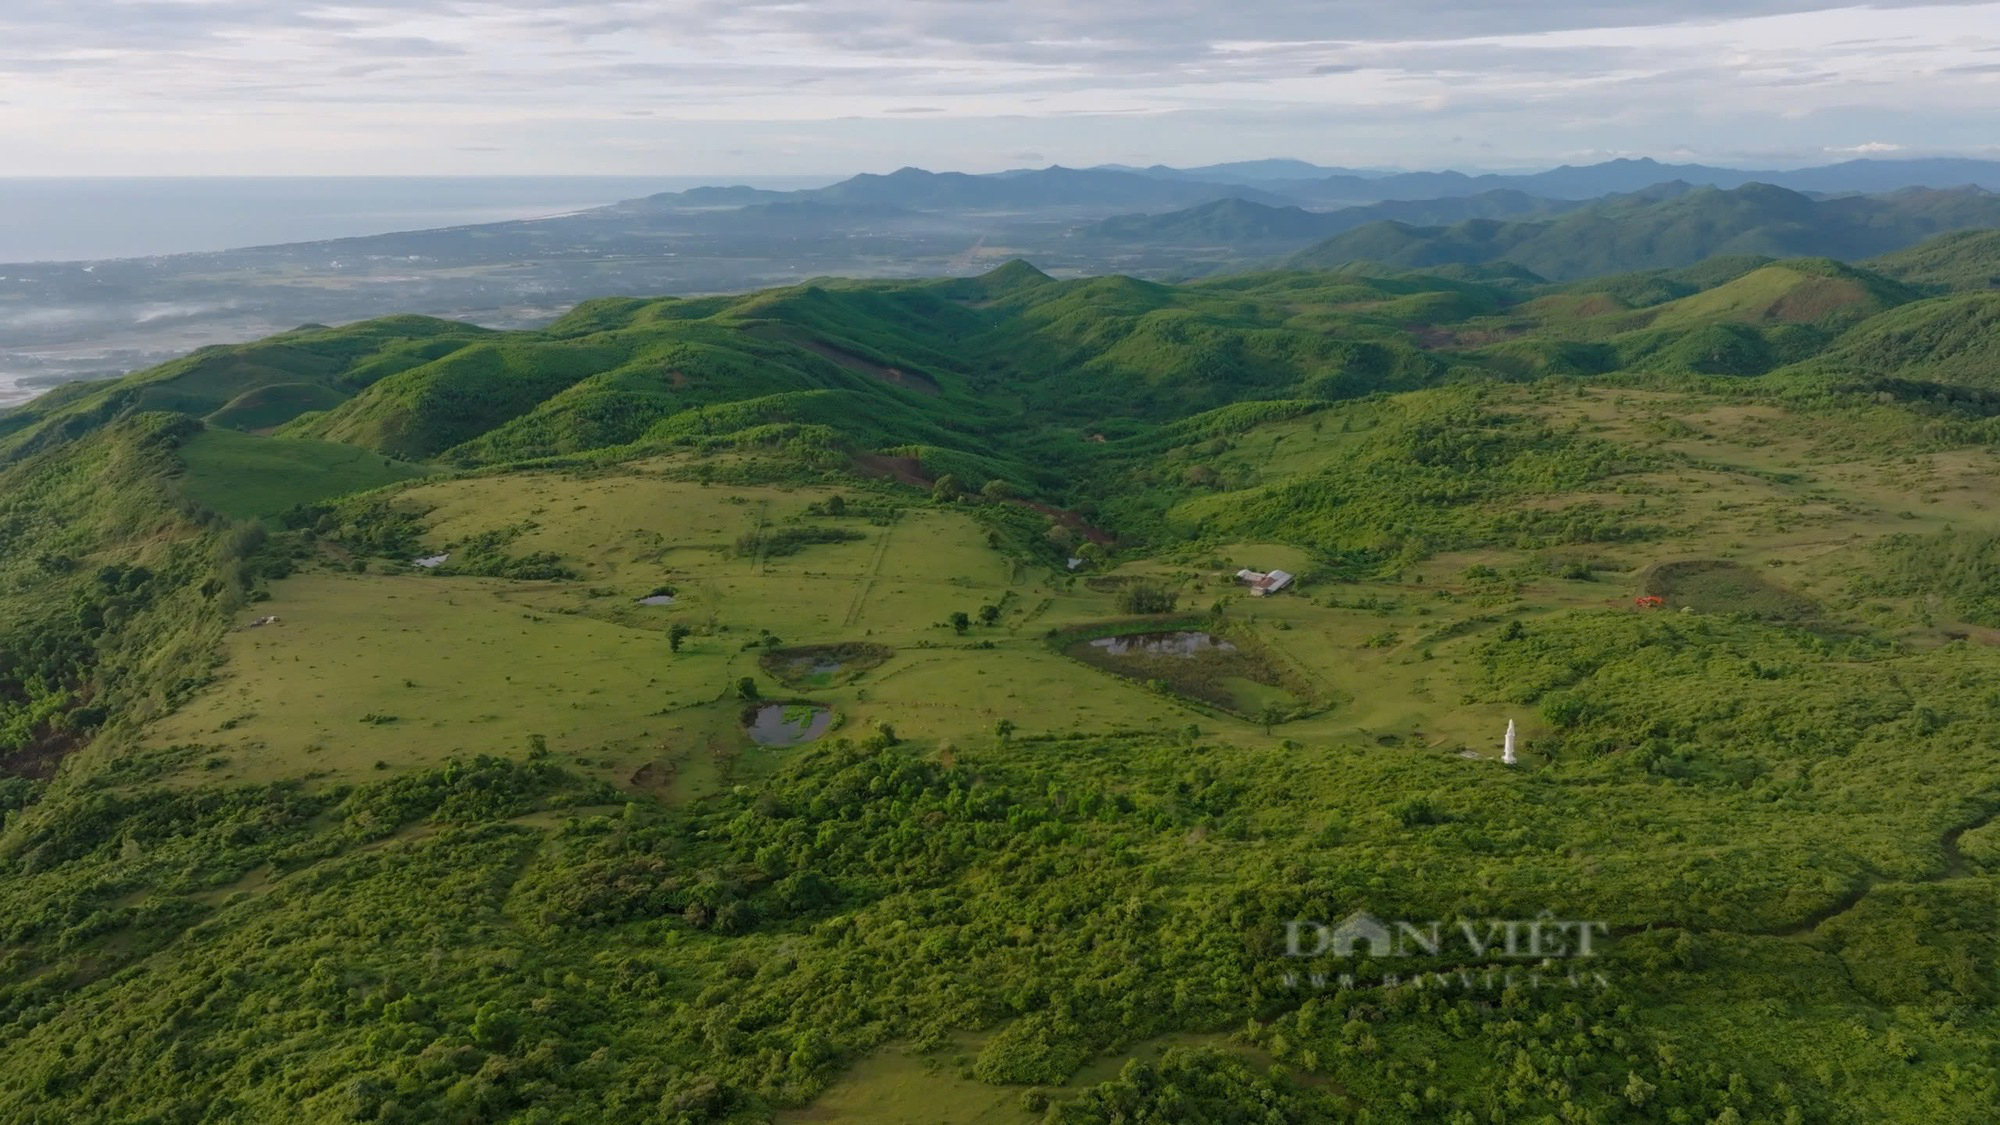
point(1643, 233)
point(1246, 171)
point(1618, 176)
point(1241, 222)
point(1282, 183)
point(1044, 189)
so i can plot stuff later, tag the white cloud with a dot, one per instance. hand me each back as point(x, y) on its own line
point(184, 86)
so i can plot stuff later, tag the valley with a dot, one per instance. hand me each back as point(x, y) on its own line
point(840, 702)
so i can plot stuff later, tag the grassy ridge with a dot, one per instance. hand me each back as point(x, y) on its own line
point(1631, 233)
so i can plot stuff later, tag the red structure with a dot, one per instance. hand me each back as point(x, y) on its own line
point(1649, 601)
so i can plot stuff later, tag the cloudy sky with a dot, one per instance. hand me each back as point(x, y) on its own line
point(92, 87)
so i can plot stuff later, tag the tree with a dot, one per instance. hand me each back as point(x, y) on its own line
point(836, 505)
point(960, 622)
point(997, 490)
point(1147, 598)
point(947, 488)
point(989, 615)
point(1270, 715)
point(747, 688)
point(676, 633)
point(1004, 730)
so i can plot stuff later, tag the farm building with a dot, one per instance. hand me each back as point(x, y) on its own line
point(1262, 583)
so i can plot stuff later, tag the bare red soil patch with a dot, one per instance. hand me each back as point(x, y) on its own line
point(903, 470)
point(908, 380)
point(1072, 521)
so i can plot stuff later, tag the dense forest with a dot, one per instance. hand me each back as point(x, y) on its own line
point(841, 703)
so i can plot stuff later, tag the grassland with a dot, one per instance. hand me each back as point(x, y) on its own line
point(247, 477)
point(450, 665)
point(465, 662)
point(343, 787)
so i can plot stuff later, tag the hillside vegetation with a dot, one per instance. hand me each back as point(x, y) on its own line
point(1963, 260)
point(1642, 233)
point(841, 703)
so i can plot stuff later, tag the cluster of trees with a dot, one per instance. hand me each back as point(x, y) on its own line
point(960, 621)
point(1146, 598)
point(772, 542)
point(739, 953)
point(1960, 567)
point(1440, 472)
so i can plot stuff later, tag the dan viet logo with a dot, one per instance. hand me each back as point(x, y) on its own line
point(1500, 947)
point(1532, 939)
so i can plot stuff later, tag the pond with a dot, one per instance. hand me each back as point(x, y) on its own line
point(786, 724)
point(1163, 644)
point(823, 666)
point(657, 599)
point(1232, 672)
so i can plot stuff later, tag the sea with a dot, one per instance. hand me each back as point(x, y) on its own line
point(63, 219)
point(68, 220)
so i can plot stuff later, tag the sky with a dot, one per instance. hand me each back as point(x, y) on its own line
point(806, 87)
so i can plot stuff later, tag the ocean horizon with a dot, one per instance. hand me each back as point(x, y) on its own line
point(61, 219)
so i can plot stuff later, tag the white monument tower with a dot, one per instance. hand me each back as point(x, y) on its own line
point(1507, 752)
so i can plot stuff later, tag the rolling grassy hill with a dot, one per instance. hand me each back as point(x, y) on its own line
point(251, 386)
point(245, 477)
point(839, 702)
point(1624, 235)
point(1951, 341)
point(1243, 223)
point(1962, 260)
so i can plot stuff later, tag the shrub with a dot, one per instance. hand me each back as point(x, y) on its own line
point(1147, 598)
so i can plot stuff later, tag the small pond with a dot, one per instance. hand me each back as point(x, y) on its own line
point(1163, 644)
point(786, 724)
point(657, 599)
point(824, 666)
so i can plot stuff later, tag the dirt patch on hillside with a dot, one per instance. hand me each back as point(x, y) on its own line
point(1445, 338)
point(1815, 300)
point(908, 380)
point(1072, 521)
point(1716, 586)
point(910, 471)
point(38, 760)
point(903, 470)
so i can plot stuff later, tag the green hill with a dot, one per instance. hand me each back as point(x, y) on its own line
point(1967, 259)
point(249, 386)
point(928, 357)
point(1952, 340)
point(244, 477)
point(1819, 292)
point(1235, 222)
point(273, 404)
point(1624, 235)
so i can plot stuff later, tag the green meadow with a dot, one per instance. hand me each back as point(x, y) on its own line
point(245, 477)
